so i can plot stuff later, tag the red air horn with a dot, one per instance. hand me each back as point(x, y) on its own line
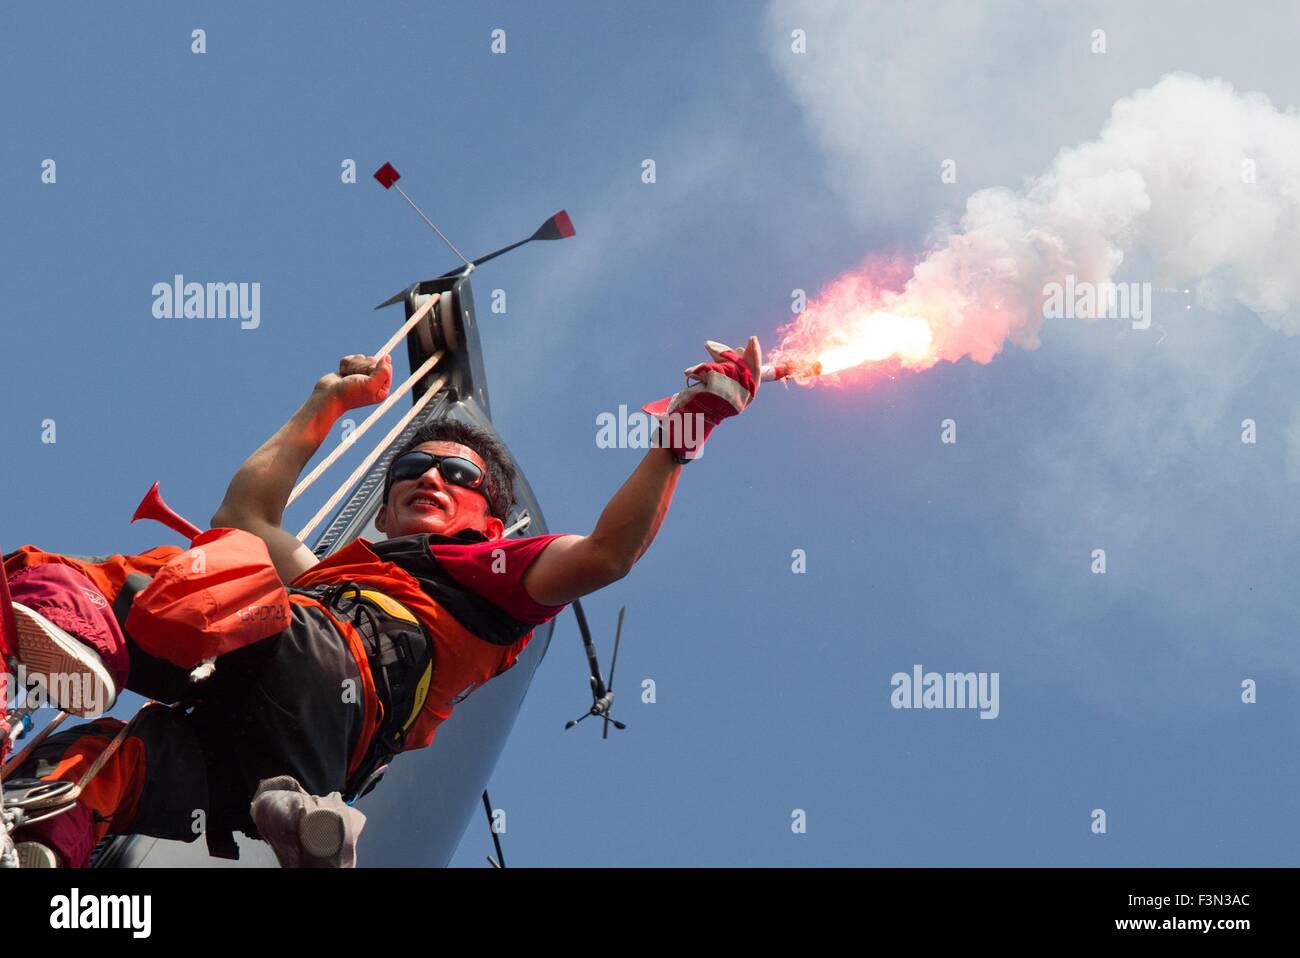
point(153, 507)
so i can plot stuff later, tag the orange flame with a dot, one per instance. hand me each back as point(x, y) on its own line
point(851, 324)
point(876, 336)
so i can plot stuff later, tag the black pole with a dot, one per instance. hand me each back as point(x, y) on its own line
point(496, 839)
point(597, 683)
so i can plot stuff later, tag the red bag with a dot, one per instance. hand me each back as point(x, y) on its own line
point(221, 594)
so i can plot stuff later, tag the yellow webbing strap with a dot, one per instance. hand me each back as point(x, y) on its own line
point(398, 611)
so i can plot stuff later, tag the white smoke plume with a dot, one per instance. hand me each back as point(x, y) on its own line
point(1204, 180)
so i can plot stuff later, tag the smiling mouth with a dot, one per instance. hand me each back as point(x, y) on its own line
point(424, 502)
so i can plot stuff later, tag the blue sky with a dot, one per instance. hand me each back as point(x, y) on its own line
point(1119, 692)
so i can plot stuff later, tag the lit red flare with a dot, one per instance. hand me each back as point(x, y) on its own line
point(793, 370)
point(853, 323)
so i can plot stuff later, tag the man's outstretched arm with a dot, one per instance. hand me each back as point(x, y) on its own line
point(573, 566)
point(256, 497)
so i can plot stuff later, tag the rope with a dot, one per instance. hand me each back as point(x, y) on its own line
point(369, 461)
point(360, 431)
point(40, 737)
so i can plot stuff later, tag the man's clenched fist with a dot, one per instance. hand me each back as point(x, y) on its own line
point(360, 381)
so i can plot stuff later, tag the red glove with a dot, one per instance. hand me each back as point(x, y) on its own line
point(723, 388)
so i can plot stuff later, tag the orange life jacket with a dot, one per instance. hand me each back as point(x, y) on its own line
point(221, 594)
point(462, 661)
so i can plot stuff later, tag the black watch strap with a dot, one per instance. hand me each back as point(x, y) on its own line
point(678, 457)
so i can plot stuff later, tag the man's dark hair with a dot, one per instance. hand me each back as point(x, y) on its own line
point(501, 471)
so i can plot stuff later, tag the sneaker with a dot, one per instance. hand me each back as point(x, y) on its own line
point(45, 648)
point(35, 855)
point(306, 831)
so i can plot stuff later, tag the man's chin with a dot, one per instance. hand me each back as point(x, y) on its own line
point(438, 524)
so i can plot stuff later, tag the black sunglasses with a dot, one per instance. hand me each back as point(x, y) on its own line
point(456, 470)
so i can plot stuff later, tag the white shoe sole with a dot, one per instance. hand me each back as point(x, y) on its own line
point(45, 648)
point(321, 833)
point(35, 855)
point(306, 831)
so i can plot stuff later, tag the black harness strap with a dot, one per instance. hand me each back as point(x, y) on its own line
point(400, 657)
